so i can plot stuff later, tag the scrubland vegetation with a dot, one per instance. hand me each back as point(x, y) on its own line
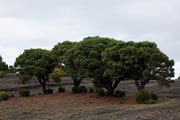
point(105, 62)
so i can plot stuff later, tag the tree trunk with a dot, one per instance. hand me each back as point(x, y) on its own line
point(110, 91)
point(139, 85)
point(43, 84)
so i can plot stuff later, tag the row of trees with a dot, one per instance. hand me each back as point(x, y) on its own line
point(105, 61)
point(3, 67)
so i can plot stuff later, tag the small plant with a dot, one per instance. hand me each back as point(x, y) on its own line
point(101, 92)
point(24, 92)
point(154, 96)
point(82, 89)
point(4, 95)
point(145, 97)
point(75, 89)
point(120, 94)
point(2, 74)
point(91, 89)
point(61, 89)
point(49, 91)
point(142, 96)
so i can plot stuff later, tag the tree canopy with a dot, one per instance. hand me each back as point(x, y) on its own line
point(106, 61)
point(35, 62)
point(59, 51)
point(140, 61)
point(3, 65)
point(85, 60)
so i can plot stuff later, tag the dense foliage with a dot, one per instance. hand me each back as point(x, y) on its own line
point(145, 97)
point(61, 89)
point(105, 61)
point(58, 53)
point(57, 74)
point(2, 74)
point(37, 63)
point(85, 60)
point(24, 92)
point(3, 65)
point(4, 95)
point(141, 62)
point(3, 68)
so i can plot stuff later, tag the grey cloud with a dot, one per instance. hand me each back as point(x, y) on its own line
point(43, 23)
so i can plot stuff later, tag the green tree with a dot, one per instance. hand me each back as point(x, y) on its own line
point(3, 65)
point(35, 62)
point(11, 69)
point(3, 68)
point(141, 61)
point(59, 51)
point(85, 60)
point(59, 55)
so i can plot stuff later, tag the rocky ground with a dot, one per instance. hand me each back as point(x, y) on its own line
point(88, 106)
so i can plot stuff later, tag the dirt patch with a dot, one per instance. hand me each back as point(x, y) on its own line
point(85, 106)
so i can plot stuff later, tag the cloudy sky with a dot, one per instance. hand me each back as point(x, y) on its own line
point(28, 24)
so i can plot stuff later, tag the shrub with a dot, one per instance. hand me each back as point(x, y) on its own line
point(120, 94)
point(75, 89)
point(24, 92)
point(61, 89)
point(4, 95)
point(101, 92)
point(82, 89)
point(91, 89)
point(2, 74)
point(109, 93)
point(142, 96)
point(154, 96)
point(49, 91)
point(145, 97)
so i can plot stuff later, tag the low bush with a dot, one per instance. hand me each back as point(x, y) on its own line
point(2, 74)
point(61, 89)
point(24, 92)
point(145, 97)
point(4, 95)
point(82, 89)
point(109, 93)
point(119, 94)
point(154, 96)
point(75, 89)
point(91, 89)
point(49, 91)
point(101, 92)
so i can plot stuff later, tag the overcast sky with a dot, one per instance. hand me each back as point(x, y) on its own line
point(28, 24)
